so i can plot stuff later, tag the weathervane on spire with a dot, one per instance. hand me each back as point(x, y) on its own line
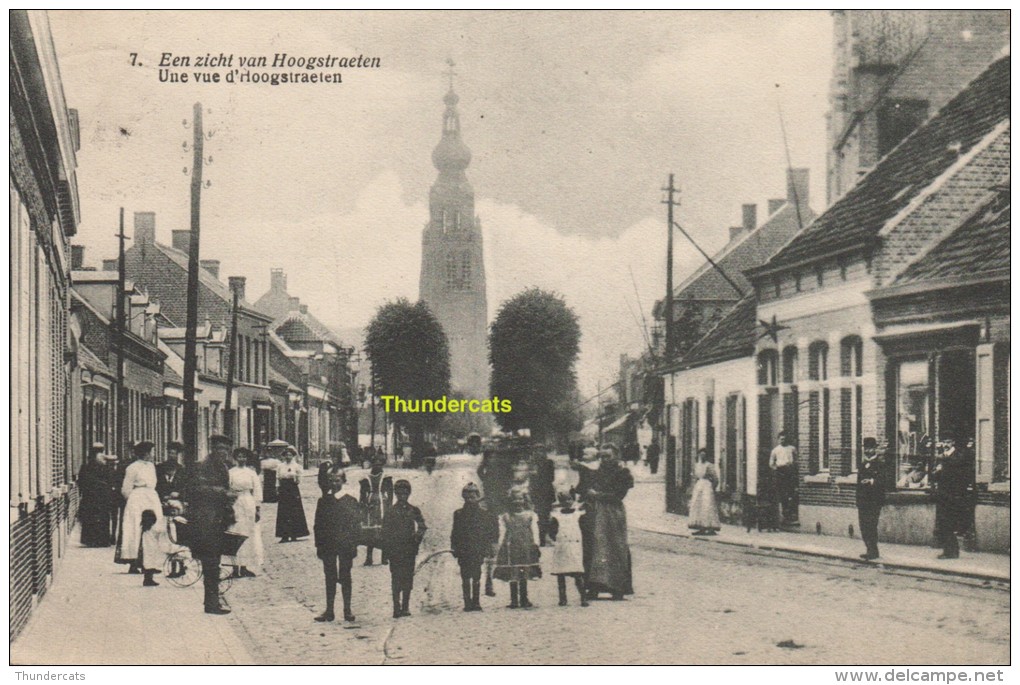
point(450, 73)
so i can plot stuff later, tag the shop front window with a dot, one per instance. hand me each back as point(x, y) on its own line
point(913, 424)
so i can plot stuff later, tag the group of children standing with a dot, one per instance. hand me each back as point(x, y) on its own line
point(478, 536)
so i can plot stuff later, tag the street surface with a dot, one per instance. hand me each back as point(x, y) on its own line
point(694, 603)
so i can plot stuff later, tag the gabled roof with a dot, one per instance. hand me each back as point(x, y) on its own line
point(750, 250)
point(856, 219)
point(979, 247)
point(209, 281)
point(301, 326)
point(732, 337)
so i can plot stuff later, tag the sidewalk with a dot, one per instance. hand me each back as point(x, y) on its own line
point(97, 614)
point(645, 511)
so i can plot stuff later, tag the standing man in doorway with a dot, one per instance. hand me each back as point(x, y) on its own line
point(783, 464)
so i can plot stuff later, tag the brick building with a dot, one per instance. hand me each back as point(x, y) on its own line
point(45, 396)
point(883, 324)
point(708, 386)
point(162, 271)
point(892, 70)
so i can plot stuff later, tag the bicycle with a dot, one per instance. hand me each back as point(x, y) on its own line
point(178, 531)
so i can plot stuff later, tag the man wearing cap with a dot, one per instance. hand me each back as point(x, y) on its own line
point(870, 496)
point(209, 510)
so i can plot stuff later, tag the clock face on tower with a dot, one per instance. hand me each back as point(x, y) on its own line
point(452, 267)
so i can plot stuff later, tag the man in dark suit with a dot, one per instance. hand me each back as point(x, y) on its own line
point(376, 500)
point(209, 510)
point(170, 474)
point(870, 496)
point(951, 480)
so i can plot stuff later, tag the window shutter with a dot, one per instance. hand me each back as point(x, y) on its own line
point(985, 401)
point(742, 446)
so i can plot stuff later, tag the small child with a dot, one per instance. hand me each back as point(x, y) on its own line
point(403, 530)
point(568, 555)
point(337, 528)
point(475, 534)
point(153, 555)
point(517, 559)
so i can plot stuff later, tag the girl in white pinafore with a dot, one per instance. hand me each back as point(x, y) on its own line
point(247, 488)
point(568, 552)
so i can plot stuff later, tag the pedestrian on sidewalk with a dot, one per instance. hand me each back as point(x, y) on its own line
point(870, 496)
point(783, 464)
point(210, 512)
point(270, 464)
point(543, 493)
point(290, 514)
point(402, 532)
point(517, 560)
point(94, 508)
point(246, 490)
point(337, 529)
point(950, 480)
point(139, 493)
point(568, 553)
point(704, 516)
point(652, 456)
point(474, 538)
point(610, 565)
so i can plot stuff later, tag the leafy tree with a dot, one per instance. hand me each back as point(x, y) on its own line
point(533, 347)
point(411, 359)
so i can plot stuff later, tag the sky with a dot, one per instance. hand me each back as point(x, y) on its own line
point(574, 120)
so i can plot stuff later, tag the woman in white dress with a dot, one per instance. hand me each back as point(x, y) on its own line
point(247, 489)
point(704, 516)
point(139, 491)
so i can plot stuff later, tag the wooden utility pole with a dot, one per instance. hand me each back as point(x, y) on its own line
point(670, 342)
point(120, 438)
point(228, 411)
point(190, 427)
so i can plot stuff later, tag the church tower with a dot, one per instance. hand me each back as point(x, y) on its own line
point(452, 270)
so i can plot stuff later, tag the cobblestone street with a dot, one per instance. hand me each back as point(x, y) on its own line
point(694, 603)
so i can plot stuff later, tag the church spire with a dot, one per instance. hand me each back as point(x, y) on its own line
point(451, 156)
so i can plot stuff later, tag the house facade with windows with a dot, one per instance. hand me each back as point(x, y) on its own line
point(880, 323)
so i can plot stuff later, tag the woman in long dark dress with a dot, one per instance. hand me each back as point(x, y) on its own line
point(94, 511)
point(290, 515)
point(610, 568)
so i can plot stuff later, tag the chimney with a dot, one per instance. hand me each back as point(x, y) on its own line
point(212, 266)
point(750, 216)
point(294, 304)
point(277, 280)
point(145, 228)
point(110, 265)
point(304, 309)
point(77, 257)
point(182, 241)
point(797, 190)
point(736, 232)
point(237, 285)
point(775, 204)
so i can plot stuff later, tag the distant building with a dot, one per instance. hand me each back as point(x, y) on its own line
point(893, 69)
point(45, 396)
point(452, 268)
